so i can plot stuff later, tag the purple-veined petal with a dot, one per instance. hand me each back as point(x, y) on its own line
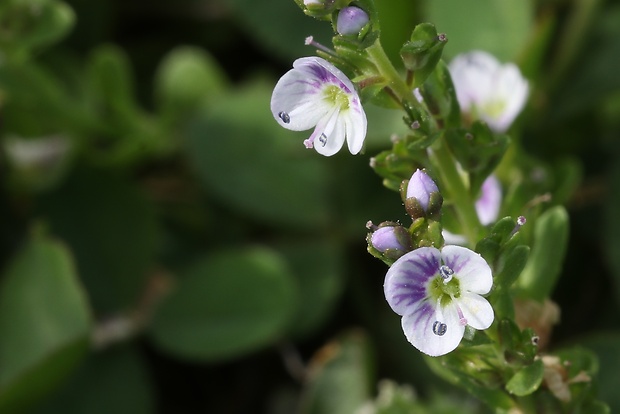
point(418, 328)
point(476, 309)
point(472, 271)
point(406, 281)
point(296, 96)
point(487, 206)
point(324, 72)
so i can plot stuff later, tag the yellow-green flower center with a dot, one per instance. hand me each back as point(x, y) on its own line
point(444, 292)
point(336, 96)
point(494, 108)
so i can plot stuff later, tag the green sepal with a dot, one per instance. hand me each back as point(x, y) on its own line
point(440, 97)
point(422, 53)
point(478, 151)
point(527, 380)
point(545, 264)
point(415, 114)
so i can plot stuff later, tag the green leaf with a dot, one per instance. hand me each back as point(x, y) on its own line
point(44, 323)
point(606, 346)
point(252, 164)
point(186, 78)
point(478, 151)
point(228, 304)
point(279, 27)
point(29, 25)
point(112, 230)
point(321, 280)
point(612, 227)
point(340, 376)
point(113, 381)
point(527, 380)
point(440, 96)
point(501, 28)
point(511, 265)
point(549, 247)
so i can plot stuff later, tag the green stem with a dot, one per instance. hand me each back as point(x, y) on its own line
point(391, 75)
point(457, 192)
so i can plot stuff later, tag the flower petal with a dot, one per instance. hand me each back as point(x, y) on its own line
point(418, 328)
point(355, 126)
point(470, 268)
point(328, 136)
point(487, 206)
point(472, 75)
point(477, 310)
point(299, 97)
point(406, 280)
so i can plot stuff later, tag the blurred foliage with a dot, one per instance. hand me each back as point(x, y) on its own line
point(166, 247)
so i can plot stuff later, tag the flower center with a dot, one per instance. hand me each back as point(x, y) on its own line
point(493, 108)
point(336, 96)
point(444, 287)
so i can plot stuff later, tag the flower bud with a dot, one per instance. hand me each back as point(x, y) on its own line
point(422, 196)
point(351, 20)
point(388, 241)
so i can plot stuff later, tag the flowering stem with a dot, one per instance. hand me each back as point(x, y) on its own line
point(387, 70)
point(456, 190)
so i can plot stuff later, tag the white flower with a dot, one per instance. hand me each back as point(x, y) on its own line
point(438, 294)
point(488, 90)
point(317, 94)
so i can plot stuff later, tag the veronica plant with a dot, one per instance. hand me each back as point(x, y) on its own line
point(457, 303)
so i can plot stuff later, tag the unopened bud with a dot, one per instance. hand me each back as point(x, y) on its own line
point(351, 20)
point(390, 240)
point(422, 195)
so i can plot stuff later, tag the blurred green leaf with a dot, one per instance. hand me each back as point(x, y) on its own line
point(229, 303)
point(527, 380)
point(501, 28)
point(340, 376)
point(612, 227)
point(44, 323)
point(112, 230)
point(606, 346)
point(280, 27)
point(252, 164)
point(186, 78)
point(547, 255)
point(112, 381)
point(27, 25)
point(317, 266)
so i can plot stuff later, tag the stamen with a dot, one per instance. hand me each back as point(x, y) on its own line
point(521, 220)
point(439, 328)
point(284, 117)
point(310, 42)
point(371, 226)
point(309, 143)
point(446, 273)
